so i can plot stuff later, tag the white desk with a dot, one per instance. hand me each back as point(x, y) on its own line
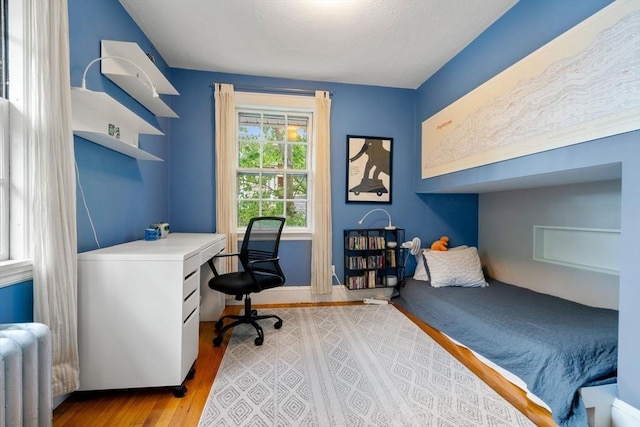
point(139, 310)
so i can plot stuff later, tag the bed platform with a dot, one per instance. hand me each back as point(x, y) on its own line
point(554, 345)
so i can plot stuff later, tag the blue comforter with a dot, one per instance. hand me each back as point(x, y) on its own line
point(554, 345)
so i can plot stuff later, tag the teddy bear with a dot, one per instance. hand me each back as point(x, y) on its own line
point(441, 244)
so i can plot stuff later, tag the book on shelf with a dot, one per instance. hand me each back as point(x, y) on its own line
point(360, 243)
point(372, 279)
point(391, 258)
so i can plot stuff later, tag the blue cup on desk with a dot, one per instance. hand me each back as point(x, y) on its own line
point(151, 234)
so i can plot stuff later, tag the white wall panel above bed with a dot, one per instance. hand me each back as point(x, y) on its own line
point(593, 249)
point(506, 243)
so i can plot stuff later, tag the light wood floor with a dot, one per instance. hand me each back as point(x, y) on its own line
point(158, 407)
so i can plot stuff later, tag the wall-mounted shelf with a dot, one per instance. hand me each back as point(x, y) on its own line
point(93, 112)
point(127, 77)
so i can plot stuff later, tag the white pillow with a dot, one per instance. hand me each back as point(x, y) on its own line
point(455, 268)
point(421, 272)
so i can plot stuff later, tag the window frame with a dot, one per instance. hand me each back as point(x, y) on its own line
point(19, 265)
point(4, 138)
point(283, 170)
point(4, 179)
point(289, 104)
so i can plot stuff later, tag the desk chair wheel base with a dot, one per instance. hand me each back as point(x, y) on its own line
point(218, 326)
point(251, 319)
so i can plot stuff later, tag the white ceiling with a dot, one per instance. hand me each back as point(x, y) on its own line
point(392, 43)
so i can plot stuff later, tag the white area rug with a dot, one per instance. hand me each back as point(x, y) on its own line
point(348, 366)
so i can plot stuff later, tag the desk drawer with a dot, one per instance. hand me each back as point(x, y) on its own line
point(190, 305)
point(191, 264)
point(191, 274)
point(190, 331)
point(191, 284)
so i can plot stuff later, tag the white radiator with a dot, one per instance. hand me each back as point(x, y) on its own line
point(25, 375)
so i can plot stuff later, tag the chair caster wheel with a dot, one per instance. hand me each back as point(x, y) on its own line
point(179, 391)
point(217, 341)
point(259, 341)
point(254, 313)
point(219, 324)
point(278, 324)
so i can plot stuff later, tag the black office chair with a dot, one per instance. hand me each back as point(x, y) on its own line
point(259, 258)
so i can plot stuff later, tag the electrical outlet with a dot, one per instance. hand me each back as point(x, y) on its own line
point(333, 270)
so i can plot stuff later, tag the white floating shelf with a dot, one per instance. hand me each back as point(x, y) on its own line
point(93, 112)
point(129, 78)
point(116, 145)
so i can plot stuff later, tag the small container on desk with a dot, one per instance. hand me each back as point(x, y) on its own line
point(151, 234)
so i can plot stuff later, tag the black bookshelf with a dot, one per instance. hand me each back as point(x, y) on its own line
point(373, 258)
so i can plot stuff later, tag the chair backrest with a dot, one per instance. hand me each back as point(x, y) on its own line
point(261, 241)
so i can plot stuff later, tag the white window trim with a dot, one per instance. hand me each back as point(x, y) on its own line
point(289, 103)
point(14, 272)
point(4, 179)
point(19, 266)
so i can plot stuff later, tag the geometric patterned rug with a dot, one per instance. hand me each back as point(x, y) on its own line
point(363, 365)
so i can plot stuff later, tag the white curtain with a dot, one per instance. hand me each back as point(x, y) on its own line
point(48, 131)
point(321, 260)
point(225, 149)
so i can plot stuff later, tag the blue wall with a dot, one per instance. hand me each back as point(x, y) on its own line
point(123, 195)
point(16, 303)
point(527, 26)
point(356, 110)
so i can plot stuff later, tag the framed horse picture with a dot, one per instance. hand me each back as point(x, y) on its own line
point(368, 169)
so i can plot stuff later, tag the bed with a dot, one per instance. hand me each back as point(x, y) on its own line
point(554, 345)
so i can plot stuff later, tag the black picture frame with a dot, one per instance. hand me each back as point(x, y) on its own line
point(369, 169)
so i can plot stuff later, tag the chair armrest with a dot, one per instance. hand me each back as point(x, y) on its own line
point(220, 255)
point(225, 254)
point(257, 261)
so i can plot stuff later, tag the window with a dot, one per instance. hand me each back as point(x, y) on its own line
point(274, 163)
point(273, 166)
point(15, 200)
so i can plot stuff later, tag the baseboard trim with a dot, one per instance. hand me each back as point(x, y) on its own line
point(624, 415)
point(302, 294)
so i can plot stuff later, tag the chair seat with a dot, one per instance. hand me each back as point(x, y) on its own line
point(241, 283)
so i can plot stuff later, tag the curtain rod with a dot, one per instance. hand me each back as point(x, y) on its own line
point(272, 89)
